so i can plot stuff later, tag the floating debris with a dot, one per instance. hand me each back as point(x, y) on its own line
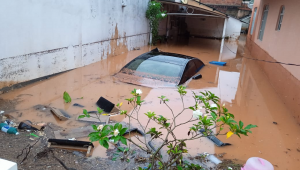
point(105, 105)
point(78, 105)
point(74, 133)
point(218, 63)
point(215, 140)
point(61, 115)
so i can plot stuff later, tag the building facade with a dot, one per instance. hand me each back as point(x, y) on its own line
point(222, 2)
point(234, 8)
point(273, 36)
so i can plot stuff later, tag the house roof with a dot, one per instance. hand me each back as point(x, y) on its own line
point(195, 4)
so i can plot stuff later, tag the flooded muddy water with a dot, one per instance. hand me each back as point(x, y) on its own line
point(241, 85)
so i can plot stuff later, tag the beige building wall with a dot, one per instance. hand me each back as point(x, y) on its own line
point(279, 45)
point(283, 45)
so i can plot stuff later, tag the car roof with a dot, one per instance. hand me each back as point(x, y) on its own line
point(171, 58)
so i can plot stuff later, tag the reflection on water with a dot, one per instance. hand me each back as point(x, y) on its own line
point(240, 84)
point(228, 82)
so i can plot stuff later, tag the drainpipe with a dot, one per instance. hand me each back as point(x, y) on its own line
point(223, 37)
point(150, 38)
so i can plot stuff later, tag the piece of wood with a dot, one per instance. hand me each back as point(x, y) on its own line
point(76, 148)
point(88, 153)
point(114, 111)
point(37, 127)
point(74, 133)
point(104, 119)
point(58, 113)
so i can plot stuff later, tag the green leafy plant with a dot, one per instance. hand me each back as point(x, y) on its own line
point(105, 133)
point(67, 97)
point(186, 165)
point(154, 14)
point(207, 116)
point(123, 154)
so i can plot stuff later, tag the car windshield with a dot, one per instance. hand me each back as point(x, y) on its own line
point(152, 68)
point(155, 67)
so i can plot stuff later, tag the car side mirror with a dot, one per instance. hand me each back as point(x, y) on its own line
point(196, 77)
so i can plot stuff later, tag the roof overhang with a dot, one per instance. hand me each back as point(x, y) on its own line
point(196, 5)
point(195, 15)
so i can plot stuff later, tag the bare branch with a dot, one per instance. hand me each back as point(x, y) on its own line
point(172, 114)
point(138, 145)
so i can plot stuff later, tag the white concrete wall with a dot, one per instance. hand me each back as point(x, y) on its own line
point(43, 37)
point(233, 28)
point(205, 27)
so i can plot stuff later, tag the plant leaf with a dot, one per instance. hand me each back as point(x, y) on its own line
point(116, 126)
point(105, 144)
point(95, 127)
point(94, 138)
point(250, 126)
point(229, 134)
point(121, 149)
point(81, 116)
point(67, 97)
point(85, 112)
point(99, 110)
point(179, 167)
point(214, 115)
point(32, 134)
point(241, 124)
point(123, 140)
point(116, 138)
point(123, 131)
point(105, 133)
point(192, 108)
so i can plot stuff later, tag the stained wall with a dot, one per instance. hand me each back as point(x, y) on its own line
point(40, 38)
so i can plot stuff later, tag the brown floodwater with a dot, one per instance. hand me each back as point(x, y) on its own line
point(241, 85)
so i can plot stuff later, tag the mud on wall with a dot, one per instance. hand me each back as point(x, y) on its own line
point(40, 38)
point(233, 28)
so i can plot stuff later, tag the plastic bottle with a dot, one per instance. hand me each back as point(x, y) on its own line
point(7, 129)
point(212, 158)
point(256, 163)
point(9, 122)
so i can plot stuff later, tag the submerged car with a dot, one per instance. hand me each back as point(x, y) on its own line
point(157, 68)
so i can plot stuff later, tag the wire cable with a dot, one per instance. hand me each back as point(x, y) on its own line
point(289, 64)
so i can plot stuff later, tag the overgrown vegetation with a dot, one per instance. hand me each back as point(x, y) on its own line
point(206, 114)
point(154, 14)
